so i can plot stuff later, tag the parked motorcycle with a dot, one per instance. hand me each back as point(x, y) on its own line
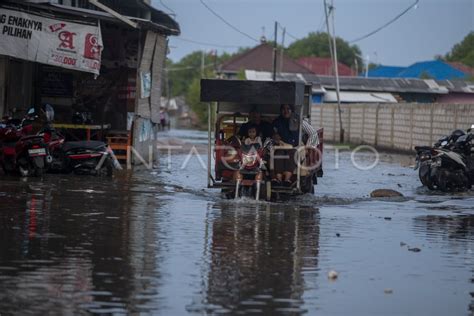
point(83, 157)
point(80, 157)
point(27, 156)
point(20, 152)
point(449, 165)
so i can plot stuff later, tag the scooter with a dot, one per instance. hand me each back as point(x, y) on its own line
point(80, 157)
point(87, 157)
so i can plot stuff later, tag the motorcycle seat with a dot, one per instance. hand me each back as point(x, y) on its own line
point(84, 145)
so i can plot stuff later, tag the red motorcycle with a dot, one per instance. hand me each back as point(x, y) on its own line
point(21, 152)
point(27, 156)
point(252, 171)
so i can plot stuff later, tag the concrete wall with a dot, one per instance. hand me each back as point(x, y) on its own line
point(392, 126)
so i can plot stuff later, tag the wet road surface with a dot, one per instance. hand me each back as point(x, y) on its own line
point(159, 242)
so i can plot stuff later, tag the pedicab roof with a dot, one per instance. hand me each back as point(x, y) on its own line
point(252, 92)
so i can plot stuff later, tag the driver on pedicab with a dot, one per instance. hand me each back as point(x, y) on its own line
point(286, 134)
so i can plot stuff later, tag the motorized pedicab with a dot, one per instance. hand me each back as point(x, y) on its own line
point(242, 170)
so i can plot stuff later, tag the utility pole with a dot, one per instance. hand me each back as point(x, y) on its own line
point(367, 67)
point(275, 52)
point(282, 48)
point(329, 33)
point(336, 68)
point(202, 63)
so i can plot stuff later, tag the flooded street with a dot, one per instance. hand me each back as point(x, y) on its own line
point(159, 242)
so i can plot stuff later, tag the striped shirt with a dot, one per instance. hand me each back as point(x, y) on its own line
point(313, 139)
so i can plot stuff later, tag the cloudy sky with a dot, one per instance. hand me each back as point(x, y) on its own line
point(429, 29)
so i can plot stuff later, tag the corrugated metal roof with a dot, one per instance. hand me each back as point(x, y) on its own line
point(161, 21)
point(377, 84)
point(356, 97)
point(435, 69)
point(385, 71)
point(395, 85)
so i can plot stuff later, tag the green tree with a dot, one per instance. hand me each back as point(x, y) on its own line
point(193, 97)
point(183, 78)
point(317, 45)
point(464, 51)
point(373, 66)
point(181, 74)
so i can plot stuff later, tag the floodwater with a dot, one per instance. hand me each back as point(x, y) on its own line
point(159, 242)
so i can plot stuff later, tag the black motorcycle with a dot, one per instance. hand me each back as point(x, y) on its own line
point(448, 165)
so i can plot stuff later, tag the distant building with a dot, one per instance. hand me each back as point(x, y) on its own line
point(435, 69)
point(379, 90)
point(384, 72)
point(324, 66)
point(259, 58)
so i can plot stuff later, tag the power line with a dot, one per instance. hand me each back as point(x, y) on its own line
point(386, 24)
point(321, 25)
point(205, 44)
point(227, 23)
point(168, 8)
point(287, 33)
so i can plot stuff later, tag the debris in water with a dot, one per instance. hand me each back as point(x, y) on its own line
point(332, 275)
point(414, 249)
point(402, 244)
point(388, 291)
point(385, 193)
point(387, 218)
point(338, 235)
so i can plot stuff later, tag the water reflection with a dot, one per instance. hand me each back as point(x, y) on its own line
point(69, 245)
point(454, 227)
point(259, 257)
point(458, 231)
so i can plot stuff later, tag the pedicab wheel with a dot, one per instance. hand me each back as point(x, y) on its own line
point(308, 186)
point(229, 194)
point(424, 176)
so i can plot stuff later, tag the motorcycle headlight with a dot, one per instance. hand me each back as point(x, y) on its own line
point(424, 157)
point(249, 159)
point(231, 153)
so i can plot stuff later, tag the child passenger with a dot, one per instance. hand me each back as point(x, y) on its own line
point(252, 138)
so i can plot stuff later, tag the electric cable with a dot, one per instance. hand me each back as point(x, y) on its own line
point(205, 44)
point(227, 23)
point(386, 24)
point(168, 8)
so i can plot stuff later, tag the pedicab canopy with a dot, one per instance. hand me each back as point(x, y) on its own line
point(253, 92)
